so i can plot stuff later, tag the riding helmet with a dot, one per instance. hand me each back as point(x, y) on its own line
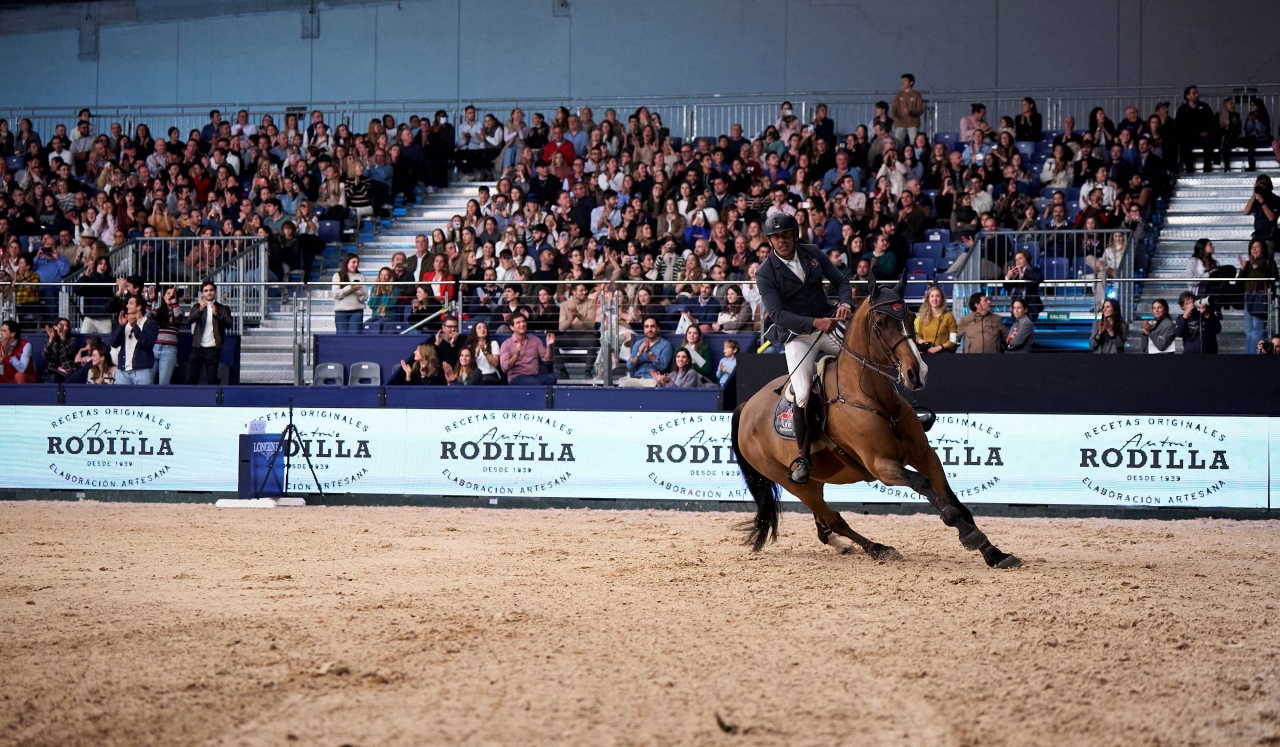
point(780, 222)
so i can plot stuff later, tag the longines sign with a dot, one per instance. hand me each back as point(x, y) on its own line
point(1135, 460)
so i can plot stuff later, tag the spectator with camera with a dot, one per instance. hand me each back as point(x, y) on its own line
point(1198, 326)
point(1264, 206)
point(1026, 279)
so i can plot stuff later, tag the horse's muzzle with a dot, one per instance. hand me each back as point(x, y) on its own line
point(914, 381)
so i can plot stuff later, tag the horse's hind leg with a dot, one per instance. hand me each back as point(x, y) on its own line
point(829, 521)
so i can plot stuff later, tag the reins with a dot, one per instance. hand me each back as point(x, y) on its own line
point(892, 373)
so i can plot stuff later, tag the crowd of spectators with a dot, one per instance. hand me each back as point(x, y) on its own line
point(581, 199)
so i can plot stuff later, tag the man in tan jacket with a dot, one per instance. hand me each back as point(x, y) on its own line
point(578, 311)
point(907, 108)
point(983, 331)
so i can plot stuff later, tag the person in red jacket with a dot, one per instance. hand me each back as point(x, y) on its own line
point(16, 366)
point(558, 145)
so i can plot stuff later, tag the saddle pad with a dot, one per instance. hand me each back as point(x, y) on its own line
point(782, 419)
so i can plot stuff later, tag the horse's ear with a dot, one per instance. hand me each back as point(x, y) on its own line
point(871, 287)
point(901, 287)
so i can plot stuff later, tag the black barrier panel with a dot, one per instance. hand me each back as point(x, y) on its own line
point(29, 394)
point(302, 396)
point(468, 397)
point(1078, 383)
point(629, 400)
point(230, 353)
point(141, 396)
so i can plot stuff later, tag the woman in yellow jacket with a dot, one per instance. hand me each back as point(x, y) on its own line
point(935, 326)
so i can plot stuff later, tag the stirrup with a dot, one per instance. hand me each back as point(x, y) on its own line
point(798, 470)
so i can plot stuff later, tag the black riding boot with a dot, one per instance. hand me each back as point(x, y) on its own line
point(799, 471)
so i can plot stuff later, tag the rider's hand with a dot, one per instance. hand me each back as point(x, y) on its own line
point(823, 325)
point(842, 313)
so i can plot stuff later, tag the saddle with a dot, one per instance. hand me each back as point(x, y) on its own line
point(784, 411)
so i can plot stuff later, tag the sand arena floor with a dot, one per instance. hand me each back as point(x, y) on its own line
point(186, 625)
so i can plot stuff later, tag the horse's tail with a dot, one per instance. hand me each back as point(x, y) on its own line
point(765, 524)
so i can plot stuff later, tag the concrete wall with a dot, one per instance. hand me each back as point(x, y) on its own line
point(182, 51)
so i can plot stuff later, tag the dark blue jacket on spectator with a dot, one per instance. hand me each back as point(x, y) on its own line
point(704, 311)
point(143, 353)
point(1199, 332)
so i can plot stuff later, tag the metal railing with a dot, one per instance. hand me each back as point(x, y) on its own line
point(686, 116)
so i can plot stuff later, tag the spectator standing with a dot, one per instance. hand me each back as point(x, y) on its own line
point(1198, 326)
point(1264, 206)
point(1022, 333)
point(1258, 271)
point(1158, 333)
point(983, 331)
point(1110, 332)
point(59, 352)
point(935, 326)
point(521, 353)
point(209, 321)
point(908, 105)
point(975, 122)
point(136, 339)
point(1028, 125)
point(1029, 289)
point(15, 355)
point(169, 318)
point(349, 295)
point(97, 295)
point(1197, 126)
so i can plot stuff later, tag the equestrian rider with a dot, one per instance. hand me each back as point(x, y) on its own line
point(790, 283)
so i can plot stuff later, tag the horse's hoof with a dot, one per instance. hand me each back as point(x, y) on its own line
point(1010, 561)
point(971, 537)
point(997, 559)
point(884, 552)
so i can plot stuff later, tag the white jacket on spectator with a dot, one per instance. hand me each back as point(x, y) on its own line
point(1055, 179)
point(352, 295)
point(1108, 193)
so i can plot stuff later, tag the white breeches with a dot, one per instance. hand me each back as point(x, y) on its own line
point(801, 353)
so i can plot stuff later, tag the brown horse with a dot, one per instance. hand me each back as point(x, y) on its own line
point(871, 433)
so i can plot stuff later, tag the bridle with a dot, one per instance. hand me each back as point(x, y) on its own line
point(875, 328)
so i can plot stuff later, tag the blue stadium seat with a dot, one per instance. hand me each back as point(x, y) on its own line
point(330, 231)
point(931, 250)
point(932, 194)
point(15, 163)
point(1030, 246)
point(920, 266)
point(915, 290)
point(940, 235)
point(1072, 194)
point(1049, 136)
point(1045, 148)
point(950, 139)
point(1027, 149)
point(945, 281)
point(371, 327)
point(1055, 268)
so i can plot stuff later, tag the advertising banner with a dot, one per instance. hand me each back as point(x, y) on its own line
point(1082, 460)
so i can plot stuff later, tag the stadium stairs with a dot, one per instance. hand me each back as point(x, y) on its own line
point(266, 353)
point(1206, 205)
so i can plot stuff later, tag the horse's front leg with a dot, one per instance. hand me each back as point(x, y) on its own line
point(954, 513)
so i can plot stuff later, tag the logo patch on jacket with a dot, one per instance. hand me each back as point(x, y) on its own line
point(813, 262)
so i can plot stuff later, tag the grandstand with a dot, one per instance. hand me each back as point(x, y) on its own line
point(278, 313)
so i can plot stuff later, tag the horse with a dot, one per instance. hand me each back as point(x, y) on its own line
point(871, 433)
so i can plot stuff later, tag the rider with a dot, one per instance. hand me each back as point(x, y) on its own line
point(790, 283)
